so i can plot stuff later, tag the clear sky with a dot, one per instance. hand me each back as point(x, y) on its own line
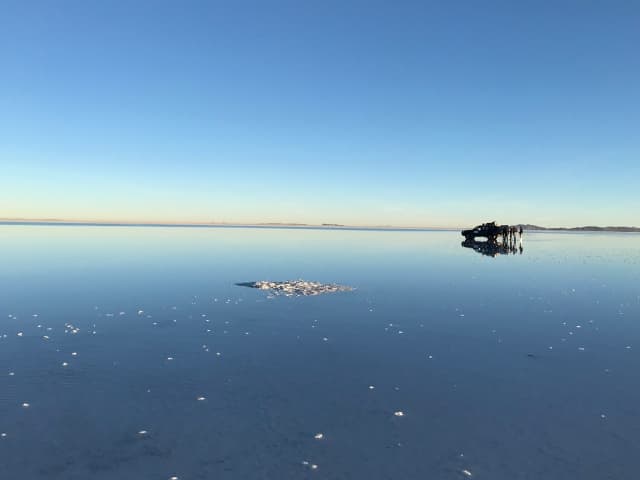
point(355, 112)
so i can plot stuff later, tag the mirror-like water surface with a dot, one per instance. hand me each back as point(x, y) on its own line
point(130, 353)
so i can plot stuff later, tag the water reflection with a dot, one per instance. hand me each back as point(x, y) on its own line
point(130, 353)
point(492, 248)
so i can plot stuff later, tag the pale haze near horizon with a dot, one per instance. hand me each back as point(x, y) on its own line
point(357, 113)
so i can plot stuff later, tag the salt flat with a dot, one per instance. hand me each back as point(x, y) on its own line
point(132, 353)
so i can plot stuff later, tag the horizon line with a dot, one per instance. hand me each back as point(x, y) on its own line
point(142, 223)
point(292, 225)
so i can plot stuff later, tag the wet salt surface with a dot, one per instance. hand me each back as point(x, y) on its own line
point(439, 365)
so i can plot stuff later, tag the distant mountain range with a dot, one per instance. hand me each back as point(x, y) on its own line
point(583, 229)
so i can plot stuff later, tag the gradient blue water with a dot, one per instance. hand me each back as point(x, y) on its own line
point(514, 367)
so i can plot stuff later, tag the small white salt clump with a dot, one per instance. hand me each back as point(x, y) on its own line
point(25, 405)
point(399, 414)
point(65, 364)
point(297, 287)
point(318, 436)
point(142, 432)
point(200, 399)
point(3, 435)
point(467, 473)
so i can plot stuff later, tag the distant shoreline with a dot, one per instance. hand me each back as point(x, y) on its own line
point(285, 226)
point(300, 226)
point(590, 228)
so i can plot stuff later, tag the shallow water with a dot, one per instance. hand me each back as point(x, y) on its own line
point(513, 367)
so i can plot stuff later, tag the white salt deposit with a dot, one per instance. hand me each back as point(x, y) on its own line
point(297, 287)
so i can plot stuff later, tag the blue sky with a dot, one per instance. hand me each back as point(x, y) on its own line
point(355, 112)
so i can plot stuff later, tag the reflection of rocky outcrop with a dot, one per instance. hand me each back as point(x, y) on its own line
point(492, 248)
